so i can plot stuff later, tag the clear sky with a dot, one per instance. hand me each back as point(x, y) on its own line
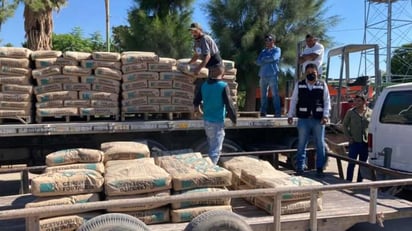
point(89, 15)
point(91, 18)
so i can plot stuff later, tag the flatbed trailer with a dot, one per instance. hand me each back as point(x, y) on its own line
point(344, 205)
point(29, 143)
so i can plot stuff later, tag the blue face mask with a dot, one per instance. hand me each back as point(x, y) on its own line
point(311, 76)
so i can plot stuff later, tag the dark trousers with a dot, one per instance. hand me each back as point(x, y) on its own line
point(356, 150)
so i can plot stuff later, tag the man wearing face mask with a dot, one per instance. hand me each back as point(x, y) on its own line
point(310, 102)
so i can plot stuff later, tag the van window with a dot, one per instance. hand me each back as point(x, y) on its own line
point(397, 108)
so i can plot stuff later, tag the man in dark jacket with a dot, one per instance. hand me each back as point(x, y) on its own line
point(214, 97)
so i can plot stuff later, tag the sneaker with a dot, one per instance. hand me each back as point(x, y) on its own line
point(319, 173)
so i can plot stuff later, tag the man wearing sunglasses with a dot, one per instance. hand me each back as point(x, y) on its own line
point(268, 61)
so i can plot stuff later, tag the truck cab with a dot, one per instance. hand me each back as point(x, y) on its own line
point(390, 129)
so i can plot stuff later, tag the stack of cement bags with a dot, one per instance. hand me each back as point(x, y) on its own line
point(230, 78)
point(153, 85)
point(58, 86)
point(191, 173)
point(72, 176)
point(130, 173)
point(105, 85)
point(261, 174)
point(15, 84)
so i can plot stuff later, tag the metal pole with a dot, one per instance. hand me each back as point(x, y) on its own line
point(107, 6)
point(389, 43)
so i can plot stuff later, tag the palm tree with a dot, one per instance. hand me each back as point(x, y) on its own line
point(38, 22)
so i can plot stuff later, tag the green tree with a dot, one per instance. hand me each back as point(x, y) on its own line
point(159, 26)
point(7, 9)
point(75, 41)
point(239, 26)
point(401, 64)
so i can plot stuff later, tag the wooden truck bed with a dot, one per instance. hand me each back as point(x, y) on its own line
point(341, 210)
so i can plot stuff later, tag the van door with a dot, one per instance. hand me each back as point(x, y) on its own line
point(392, 128)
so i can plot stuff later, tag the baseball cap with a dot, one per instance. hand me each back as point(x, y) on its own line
point(195, 26)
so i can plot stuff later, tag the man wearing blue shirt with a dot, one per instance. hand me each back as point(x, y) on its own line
point(268, 60)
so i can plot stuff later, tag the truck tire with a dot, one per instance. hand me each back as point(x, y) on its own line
point(218, 220)
point(114, 221)
point(228, 146)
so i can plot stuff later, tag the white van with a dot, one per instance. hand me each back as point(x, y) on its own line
point(390, 129)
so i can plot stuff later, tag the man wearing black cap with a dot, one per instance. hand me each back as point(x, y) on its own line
point(268, 60)
point(206, 49)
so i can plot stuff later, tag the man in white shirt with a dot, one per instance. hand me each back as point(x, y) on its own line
point(313, 53)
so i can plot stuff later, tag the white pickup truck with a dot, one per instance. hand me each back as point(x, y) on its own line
point(390, 129)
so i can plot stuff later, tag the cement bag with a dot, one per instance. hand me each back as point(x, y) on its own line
point(98, 95)
point(176, 75)
point(65, 223)
point(106, 56)
point(291, 181)
point(189, 68)
point(142, 75)
point(67, 182)
point(46, 71)
point(152, 216)
point(40, 54)
point(160, 67)
point(201, 202)
point(128, 177)
point(96, 80)
point(139, 207)
point(76, 70)
point(189, 173)
point(77, 103)
point(4, 70)
point(228, 64)
point(15, 105)
point(15, 52)
point(134, 67)
point(99, 167)
point(235, 165)
point(105, 72)
point(14, 79)
point(57, 79)
point(48, 88)
point(57, 112)
point(57, 95)
point(261, 169)
point(17, 88)
point(171, 61)
point(94, 64)
point(288, 207)
point(124, 150)
point(15, 97)
point(73, 156)
point(129, 57)
point(187, 214)
point(12, 62)
point(59, 61)
point(50, 104)
point(63, 200)
point(76, 55)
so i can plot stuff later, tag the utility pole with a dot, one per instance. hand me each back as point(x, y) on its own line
point(107, 6)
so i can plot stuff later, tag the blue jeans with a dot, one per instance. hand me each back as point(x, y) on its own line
point(306, 127)
point(215, 133)
point(272, 83)
point(356, 149)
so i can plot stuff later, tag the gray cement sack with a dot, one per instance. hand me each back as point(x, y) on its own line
point(129, 57)
point(65, 223)
point(73, 156)
point(261, 169)
point(15, 52)
point(106, 56)
point(152, 216)
point(99, 167)
point(67, 182)
point(13, 62)
point(41, 54)
point(288, 207)
point(201, 202)
point(76, 55)
point(235, 165)
point(124, 150)
point(63, 200)
point(139, 207)
point(187, 214)
point(188, 172)
point(129, 177)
